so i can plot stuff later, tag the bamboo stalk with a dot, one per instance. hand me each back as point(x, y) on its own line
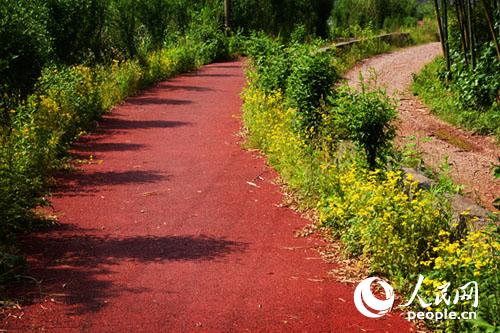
point(440, 25)
point(489, 17)
point(445, 30)
point(462, 33)
point(471, 36)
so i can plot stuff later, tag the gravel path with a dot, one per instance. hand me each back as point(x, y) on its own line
point(173, 227)
point(470, 156)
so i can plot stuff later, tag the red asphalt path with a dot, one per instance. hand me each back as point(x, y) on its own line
point(162, 233)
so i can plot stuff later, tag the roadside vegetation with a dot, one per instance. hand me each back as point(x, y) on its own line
point(463, 87)
point(334, 149)
point(63, 63)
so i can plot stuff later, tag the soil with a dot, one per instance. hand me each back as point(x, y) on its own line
point(168, 225)
point(470, 156)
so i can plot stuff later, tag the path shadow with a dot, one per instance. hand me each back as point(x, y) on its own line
point(115, 123)
point(211, 75)
point(105, 146)
point(157, 101)
point(78, 182)
point(169, 86)
point(83, 270)
point(224, 66)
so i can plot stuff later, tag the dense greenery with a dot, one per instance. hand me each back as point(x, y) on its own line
point(464, 87)
point(380, 214)
point(379, 14)
point(49, 97)
point(281, 17)
point(454, 102)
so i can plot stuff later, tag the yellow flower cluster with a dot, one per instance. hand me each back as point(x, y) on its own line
point(385, 217)
point(478, 253)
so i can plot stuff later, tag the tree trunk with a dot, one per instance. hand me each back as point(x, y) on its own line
point(489, 17)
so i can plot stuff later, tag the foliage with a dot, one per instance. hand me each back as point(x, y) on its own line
point(446, 102)
point(25, 44)
point(389, 14)
point(386, 218)
point(366, 118)
point(308, 85)
point(281, 17)
point(474, 257)
point(205, 31)
point(476, 87)
point(425, 32)
point(270, 59)
point(380, 214)
point(77, 29)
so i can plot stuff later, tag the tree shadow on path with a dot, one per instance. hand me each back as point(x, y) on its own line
point(80, 270)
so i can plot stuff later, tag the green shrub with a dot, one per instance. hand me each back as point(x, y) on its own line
point(309, 85)
point(365, 118)
point(77, 29)
point(389, 14)
point(25, 44)
point(477, 87)
point(270, 60)
point(206, 32)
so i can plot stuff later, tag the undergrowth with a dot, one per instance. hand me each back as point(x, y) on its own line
point(368, 203)
point(457, 103)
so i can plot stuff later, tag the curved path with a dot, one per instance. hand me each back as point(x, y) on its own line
point(172, 227)
point(470, 156)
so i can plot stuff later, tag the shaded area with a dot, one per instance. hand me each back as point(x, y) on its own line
point(169, 86)
point(210, 75)
point(115, 123)
point(91, 250)
point(156, 101)
point(106, 146)
point(79, 271)
point(79, 182)
point(224, 66)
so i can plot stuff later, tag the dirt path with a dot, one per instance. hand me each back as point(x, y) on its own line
point(172, 227)
point(470, 156)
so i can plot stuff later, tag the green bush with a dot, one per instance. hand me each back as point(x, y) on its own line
point(389, 14)
point(206, 32)
point(366, 118)
point(477, 87)
point(77, 29)
point(281, 17)
point(25, 44)
point(309, 84)
point(270, 60)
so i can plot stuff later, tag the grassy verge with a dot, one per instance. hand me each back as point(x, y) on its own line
point(321, 146)
point(444, 101)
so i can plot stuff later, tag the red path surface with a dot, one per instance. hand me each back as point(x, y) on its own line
point(162, 232)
